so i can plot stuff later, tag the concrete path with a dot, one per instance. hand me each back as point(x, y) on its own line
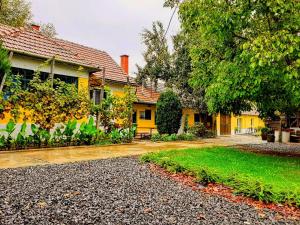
point(84, 153)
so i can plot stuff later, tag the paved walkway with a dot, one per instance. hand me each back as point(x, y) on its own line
point(73, 154)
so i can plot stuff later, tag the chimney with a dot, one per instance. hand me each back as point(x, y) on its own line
point(35, 26)
point(124, 63)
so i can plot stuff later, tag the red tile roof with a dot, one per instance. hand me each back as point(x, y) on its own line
point(100, 58)
point(146, 95)
point(32, 42)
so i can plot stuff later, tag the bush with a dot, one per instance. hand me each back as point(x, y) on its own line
point(156, 137)
point(186, 137)
point(210, 134)
point(172, 137)
point(64, 135)
point(169, 112)
point(198, 130)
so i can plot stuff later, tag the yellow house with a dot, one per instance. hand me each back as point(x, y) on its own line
point(246, 123)
point(90, 69)
point(29, 50)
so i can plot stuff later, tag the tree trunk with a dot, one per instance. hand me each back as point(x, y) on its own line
point(182, 124)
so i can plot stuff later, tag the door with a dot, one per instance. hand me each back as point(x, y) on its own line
point(225, 125)
point(134, 119)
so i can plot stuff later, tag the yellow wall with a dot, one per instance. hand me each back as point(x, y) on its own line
point(145, 125)
point(31, 63)
point(116, 89)
point(83, 84)
point(245, 123)
point(190, 115)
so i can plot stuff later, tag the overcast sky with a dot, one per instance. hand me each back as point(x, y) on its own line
point(110, 25)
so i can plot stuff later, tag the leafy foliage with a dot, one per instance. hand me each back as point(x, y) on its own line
point(124, 110)
point(47, 104)
point(48, 29)
point(16, 13)
point(190, 97)
point(169, 113)
point(10, 94)
point(173, 137)
point(156, 56)
point(198, 130)
point(244, 52)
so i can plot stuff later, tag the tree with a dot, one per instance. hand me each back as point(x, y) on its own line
point(169, 112)
point(16, 13)
point(48, 29)
point(245, 53)
point(124, 109)
point(190, 97)
point(156, 56)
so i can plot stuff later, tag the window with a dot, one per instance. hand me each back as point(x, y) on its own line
point(145, 115)
point(95, 96)
point(67, 79)
point(197, 118)
point(27, 76)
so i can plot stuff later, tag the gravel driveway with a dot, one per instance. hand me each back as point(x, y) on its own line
point(111, 191)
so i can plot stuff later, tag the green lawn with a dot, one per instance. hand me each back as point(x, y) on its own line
point(264, 177)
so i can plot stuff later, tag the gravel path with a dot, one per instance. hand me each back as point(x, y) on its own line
point(112, 191)
point(292, 149)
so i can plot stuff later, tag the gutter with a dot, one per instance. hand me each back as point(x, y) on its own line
point(94, 69)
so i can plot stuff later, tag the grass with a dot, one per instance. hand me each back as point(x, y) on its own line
point(263, 177)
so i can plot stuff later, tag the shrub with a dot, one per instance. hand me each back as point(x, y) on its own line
point(169, 112)
point(115, 136)
point(186, 137)
point(265, 130)
point(198, 130)
point(156, 137)
point(210, 134)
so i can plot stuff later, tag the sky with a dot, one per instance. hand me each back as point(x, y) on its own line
point(114, 26)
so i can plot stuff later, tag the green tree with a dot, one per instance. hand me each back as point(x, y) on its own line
point(169, 112)
point(245, 53)
point(157, 57)
point(190, 97)
point(48, 29)
point(16, 13)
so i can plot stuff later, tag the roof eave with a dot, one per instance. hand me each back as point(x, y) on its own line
point(148, 103)
point(91, 69)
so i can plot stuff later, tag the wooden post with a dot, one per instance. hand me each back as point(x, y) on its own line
point(52, 70)
point(102, 85)
point(5, 75)
point(101, 97)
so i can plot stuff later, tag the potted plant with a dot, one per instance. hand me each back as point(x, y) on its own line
point(264, 133)
point(271, 136)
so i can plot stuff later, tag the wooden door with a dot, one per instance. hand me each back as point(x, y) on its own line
point(225, 125)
